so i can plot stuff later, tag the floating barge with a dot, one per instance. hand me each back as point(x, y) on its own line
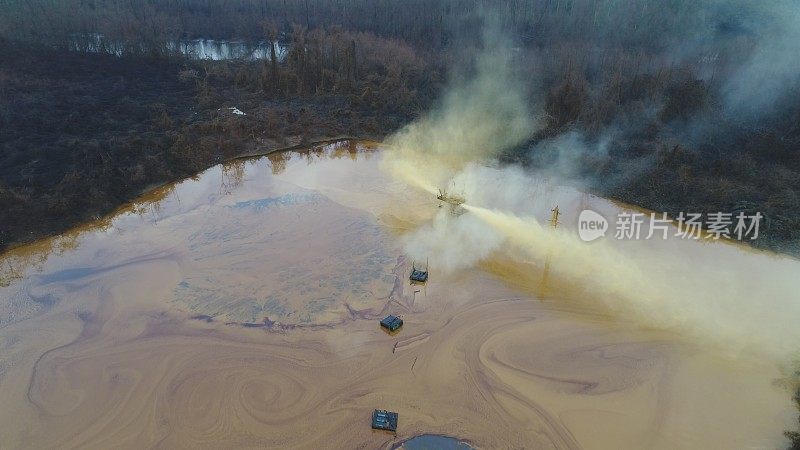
point(392, 323)
point(418, 275)
point(384, 420)
point(454, 201)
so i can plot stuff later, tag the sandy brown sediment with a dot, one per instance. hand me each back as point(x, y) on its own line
point(117, 360)
point(497, 371)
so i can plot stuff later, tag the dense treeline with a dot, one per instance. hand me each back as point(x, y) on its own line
point(422, 23)
point(664, 140)
point(81, 133)
point(674, 105)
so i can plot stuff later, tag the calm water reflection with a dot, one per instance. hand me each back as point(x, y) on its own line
point(202, 49)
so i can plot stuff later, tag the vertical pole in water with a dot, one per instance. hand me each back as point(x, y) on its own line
point(546, 272)
point(554, 217)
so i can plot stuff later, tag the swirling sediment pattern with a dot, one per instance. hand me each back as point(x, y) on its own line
point(118, 358)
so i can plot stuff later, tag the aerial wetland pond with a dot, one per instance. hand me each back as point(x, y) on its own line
point(241, 307)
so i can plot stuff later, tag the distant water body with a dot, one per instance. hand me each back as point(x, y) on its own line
point(200, 49)
point(433, 442)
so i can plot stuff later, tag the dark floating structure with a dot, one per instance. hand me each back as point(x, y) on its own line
point(384, 420)
point(453, 200)
point(392, 323)
point(418, 275)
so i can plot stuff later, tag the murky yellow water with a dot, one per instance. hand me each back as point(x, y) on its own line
point(240, 308)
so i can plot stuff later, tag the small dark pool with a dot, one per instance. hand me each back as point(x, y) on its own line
point(432, 442)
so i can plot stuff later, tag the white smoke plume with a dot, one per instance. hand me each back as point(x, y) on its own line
point(773, 67)
point(742, 301)
point(483, 112)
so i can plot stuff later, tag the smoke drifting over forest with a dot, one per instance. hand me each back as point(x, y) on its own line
point(669, 105)
point(694, 290)
point(771, 71)
point(483, 111)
